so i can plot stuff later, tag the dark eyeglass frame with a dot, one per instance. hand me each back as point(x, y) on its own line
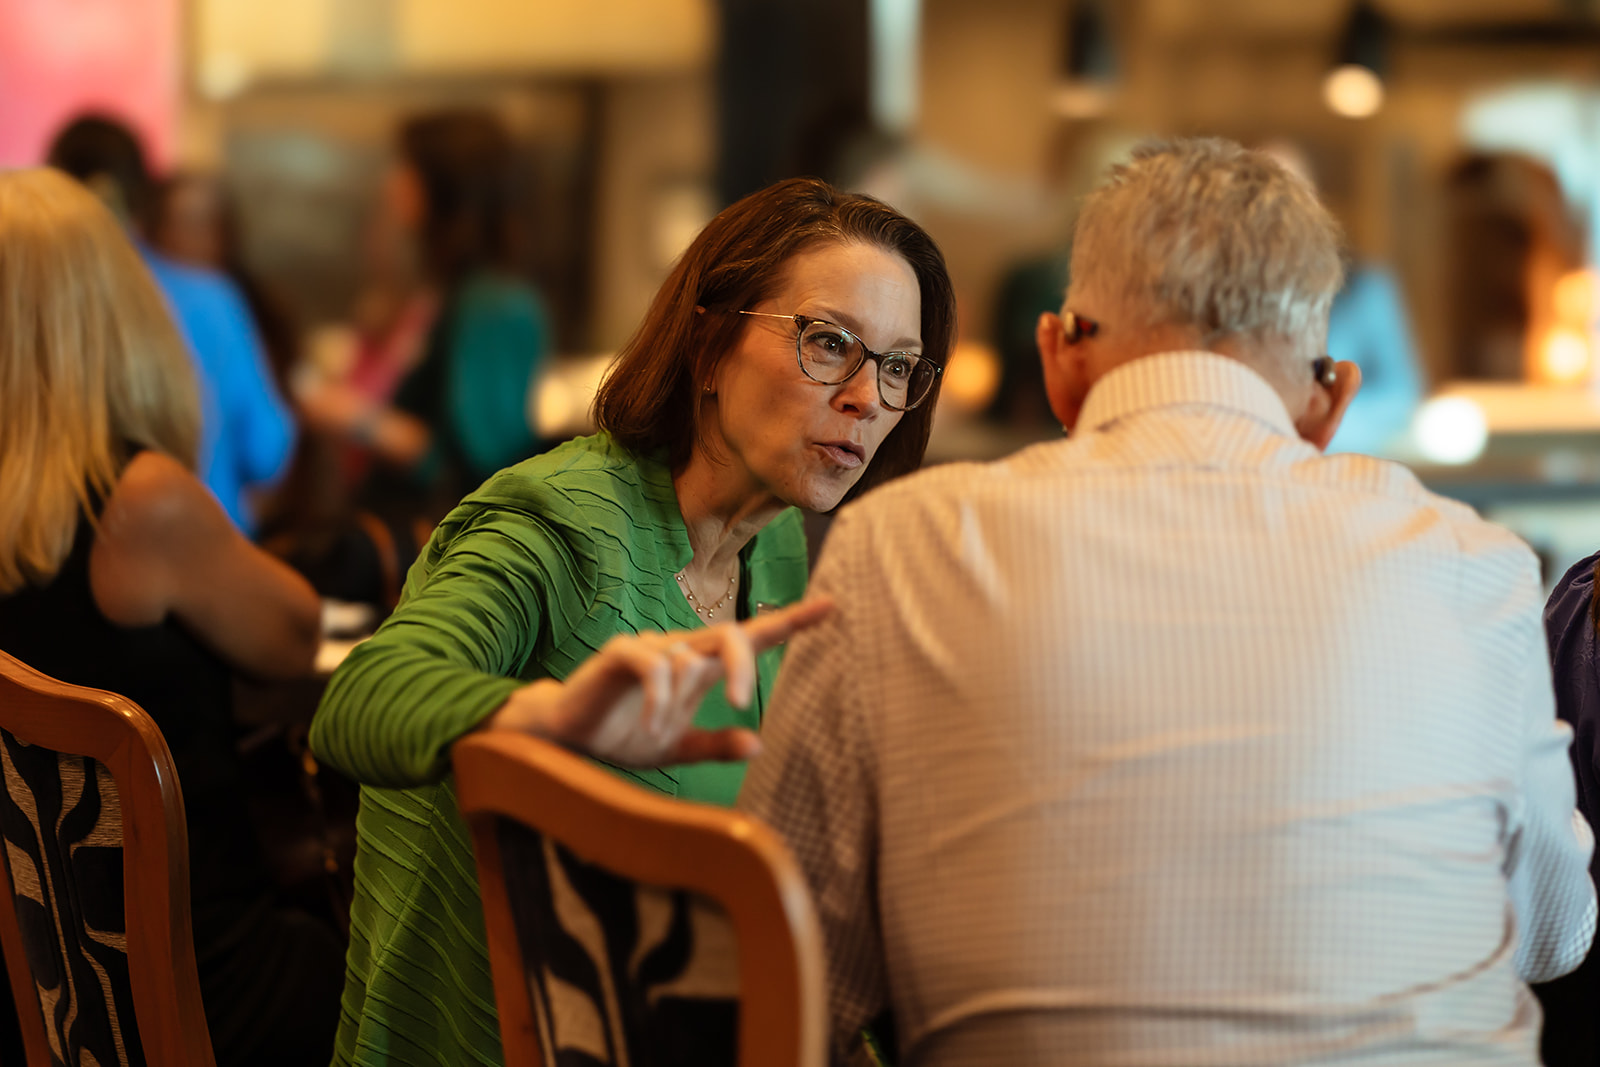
point(805, 322)
point(1075, 327)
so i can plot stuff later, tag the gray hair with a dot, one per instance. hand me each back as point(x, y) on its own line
point(1202, 232)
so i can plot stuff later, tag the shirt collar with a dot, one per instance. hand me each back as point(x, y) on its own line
point(1167, 379)
point(661, 501)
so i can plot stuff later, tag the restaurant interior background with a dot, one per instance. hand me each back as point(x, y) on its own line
point(1457, 140)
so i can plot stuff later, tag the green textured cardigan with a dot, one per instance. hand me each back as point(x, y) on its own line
point(525, 579)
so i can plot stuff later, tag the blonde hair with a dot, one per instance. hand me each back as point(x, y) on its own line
point(90, 365)
point(1202, 232)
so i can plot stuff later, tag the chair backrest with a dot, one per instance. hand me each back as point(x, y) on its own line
point(632, 930)
point(94, 889)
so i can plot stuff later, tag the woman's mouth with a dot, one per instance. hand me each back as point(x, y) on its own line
point(844, 453)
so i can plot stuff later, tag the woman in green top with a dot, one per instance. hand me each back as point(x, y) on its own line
point(792, 358)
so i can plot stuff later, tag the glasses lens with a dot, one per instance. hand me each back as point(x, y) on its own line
point(902, 380)
point(829, 354)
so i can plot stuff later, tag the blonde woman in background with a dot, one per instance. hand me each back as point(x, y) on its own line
point(119, 570)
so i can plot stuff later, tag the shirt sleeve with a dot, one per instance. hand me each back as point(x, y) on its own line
point(498, 341)
point(450, 654)
point(815, 783)
point(1547, 859)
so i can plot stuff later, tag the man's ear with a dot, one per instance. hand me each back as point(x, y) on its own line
point(1328, 404)
point(1056, 360)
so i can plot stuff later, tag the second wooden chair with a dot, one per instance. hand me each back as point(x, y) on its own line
point(630, 930)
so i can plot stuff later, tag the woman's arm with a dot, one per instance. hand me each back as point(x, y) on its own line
point(166, 547)
point(336, 408)
point(474, 610)
point(444, 663)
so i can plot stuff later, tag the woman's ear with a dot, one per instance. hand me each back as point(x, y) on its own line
point(1322, 416)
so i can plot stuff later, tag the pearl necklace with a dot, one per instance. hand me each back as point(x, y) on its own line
point(706, 611)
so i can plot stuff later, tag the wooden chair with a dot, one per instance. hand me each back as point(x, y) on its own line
point(94, 890)
point(632, 930)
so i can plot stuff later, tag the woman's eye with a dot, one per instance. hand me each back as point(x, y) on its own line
point(828, 342)
point(897, 367)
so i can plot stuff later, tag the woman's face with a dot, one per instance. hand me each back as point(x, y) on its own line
point(783, 434)
point(191, 225)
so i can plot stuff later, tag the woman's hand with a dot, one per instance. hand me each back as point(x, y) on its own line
point(634, 701)
point(340, 410)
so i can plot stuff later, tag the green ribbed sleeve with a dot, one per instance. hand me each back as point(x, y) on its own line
point(452, 652)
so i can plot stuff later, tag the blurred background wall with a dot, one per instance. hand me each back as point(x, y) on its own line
point(637, 118)
point(1457, 140)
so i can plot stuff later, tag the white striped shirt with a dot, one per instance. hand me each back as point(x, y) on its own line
point(1180, 743)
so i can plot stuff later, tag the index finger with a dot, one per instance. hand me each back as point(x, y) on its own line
point(774, 628)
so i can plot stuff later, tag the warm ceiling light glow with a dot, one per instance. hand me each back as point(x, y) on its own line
point(1450, 429)
point(224, 75)
point(1573, 298)
point(1081, 99)
point(971, 378)
point(559, 401)
point(1353, 91)
point(1564, 356)
point(553, 405)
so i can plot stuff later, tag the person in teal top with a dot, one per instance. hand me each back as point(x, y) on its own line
point(453, 409)
point(791, 359)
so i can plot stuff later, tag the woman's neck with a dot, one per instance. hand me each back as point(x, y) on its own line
point(722, 515)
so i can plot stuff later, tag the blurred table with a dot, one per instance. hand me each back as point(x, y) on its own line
point(269, 705)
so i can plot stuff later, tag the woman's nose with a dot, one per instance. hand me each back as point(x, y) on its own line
point(860, 393)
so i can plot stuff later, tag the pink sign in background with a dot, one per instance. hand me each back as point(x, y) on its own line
point(60, 58)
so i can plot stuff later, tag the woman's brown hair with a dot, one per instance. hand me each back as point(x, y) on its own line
point(650, 399)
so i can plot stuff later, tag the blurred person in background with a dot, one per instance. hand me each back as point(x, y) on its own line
point(437, 395)
point(1033, 285)
point(119, 571)
point(193, 219)
point(247, 434)
point(307, 519)
point(1367, 326)
point(1179, 742)
point(791, 359)
point(1571, 1036)
point(1028, 288)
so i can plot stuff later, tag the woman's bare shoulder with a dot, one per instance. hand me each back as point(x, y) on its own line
point(158, 523)
point(158, 502)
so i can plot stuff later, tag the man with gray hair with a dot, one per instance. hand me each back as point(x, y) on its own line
point(1178, 742)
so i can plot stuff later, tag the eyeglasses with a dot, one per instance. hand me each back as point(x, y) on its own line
point(1075, 327)
point(831, 355)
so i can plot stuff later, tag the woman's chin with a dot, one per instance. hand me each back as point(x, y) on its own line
point(824, 494)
